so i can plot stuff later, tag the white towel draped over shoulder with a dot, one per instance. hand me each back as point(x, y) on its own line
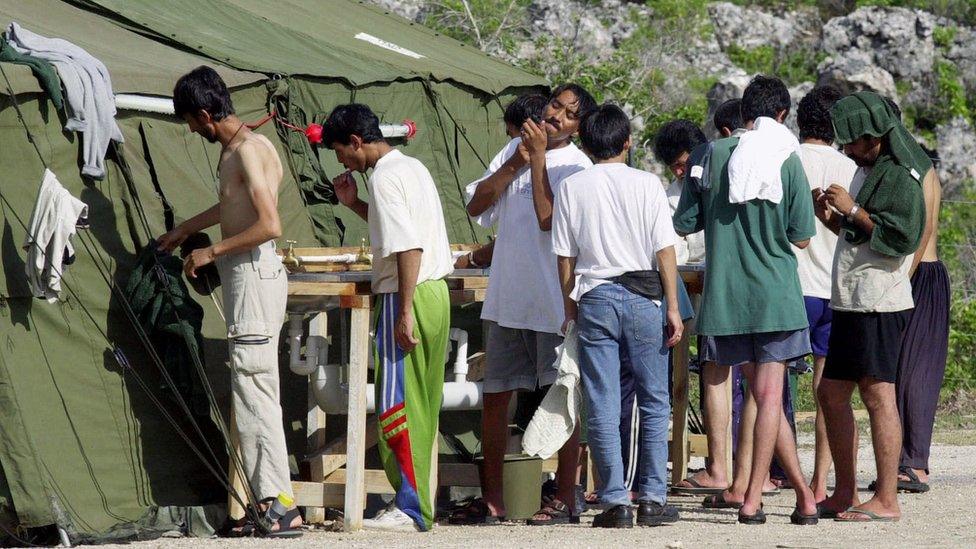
point(754, 168)
point(88, 88)
point(48, 243)
point(555, 419)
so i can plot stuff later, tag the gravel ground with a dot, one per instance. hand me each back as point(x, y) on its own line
point(942, 517)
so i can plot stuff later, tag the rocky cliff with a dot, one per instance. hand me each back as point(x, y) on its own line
point(665, 59)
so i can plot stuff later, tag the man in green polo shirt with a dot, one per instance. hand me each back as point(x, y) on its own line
point(751, 197)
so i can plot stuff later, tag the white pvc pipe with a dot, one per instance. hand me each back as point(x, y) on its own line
point(313, 345)
point(461, 357)
point(295, 333)
point(164, 105)
point(144, 103)
point(340, 258)
point(332, 394)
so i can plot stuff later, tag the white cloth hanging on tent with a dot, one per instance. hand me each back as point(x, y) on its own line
point(53, 222)
point(756, 162)
point(555, 419)
point(88, 87)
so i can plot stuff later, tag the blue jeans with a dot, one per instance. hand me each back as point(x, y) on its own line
point(614, 325)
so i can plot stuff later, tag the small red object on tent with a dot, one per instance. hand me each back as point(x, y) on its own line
point(314, 134)
point(411, 128)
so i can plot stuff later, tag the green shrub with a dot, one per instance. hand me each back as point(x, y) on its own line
point(943, 37)
point(792, 65)
point(950, 92)
point(753, 61)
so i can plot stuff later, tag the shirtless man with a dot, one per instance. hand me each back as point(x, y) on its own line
point(253, 279)
point(922, 363)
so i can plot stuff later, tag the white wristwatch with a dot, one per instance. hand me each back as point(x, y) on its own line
point(854, 209)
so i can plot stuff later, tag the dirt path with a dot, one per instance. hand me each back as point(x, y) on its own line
point(943, 517)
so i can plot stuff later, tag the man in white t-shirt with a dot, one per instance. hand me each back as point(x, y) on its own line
point(411, 257)
point(523, 304)
point(824, 165)
point(613, 234)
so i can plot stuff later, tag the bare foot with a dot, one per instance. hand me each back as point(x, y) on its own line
point(819, 490)
point(295, 523)
point(920, 473)
point(732, 497)
point(873, 506)
point(704, 480)
point(839, 505)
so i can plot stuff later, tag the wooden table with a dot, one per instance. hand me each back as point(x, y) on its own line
point(332, 486)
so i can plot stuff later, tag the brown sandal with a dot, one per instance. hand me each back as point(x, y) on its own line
point(476, 512)
point(556, 512)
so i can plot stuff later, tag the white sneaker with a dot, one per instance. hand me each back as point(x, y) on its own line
point(391, 520)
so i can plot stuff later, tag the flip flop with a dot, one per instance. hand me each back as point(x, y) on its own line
point(826, 513)
point(872, 517)
point(717, 501)
point(476, 512)
point(804, 520)
point(695, 489)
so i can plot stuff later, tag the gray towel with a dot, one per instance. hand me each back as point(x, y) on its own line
point(91, 103)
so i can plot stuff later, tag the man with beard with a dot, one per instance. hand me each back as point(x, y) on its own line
point(880, 223)
point(524, 303)
point(253, 279)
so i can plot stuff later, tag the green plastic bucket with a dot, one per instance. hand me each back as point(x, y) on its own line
point(522, 485)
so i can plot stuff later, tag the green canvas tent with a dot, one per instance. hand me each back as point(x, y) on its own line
point(82, 444)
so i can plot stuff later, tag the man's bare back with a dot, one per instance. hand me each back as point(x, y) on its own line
point(932, 188)
point(237, 211)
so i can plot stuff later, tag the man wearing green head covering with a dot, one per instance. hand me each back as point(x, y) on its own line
point(880, 224)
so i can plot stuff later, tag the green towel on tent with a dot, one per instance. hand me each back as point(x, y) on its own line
point(892, 191)
point(172, 319)
point(42, 69)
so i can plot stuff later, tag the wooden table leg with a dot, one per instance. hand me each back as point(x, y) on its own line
point(679, 419)
point(356, 429)
point(234, 509)
point(315, 418)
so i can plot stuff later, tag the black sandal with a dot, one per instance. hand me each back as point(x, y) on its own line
point(804, 520)
point(285, 529)
point(558, 513)
point(758, 518)
point(475, 512)
point(913, 485)
point(717, 501)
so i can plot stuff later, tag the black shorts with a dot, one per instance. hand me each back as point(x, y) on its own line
point(865, 345)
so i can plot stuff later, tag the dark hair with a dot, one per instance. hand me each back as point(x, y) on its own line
point(728, 115)
point(585, 101)
point(523, 107)
point(675, 138)
point(894, 106)
point(813, 113)
point(346, 121)
point(202, 89)
point(764, 96)
point(604, 131)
